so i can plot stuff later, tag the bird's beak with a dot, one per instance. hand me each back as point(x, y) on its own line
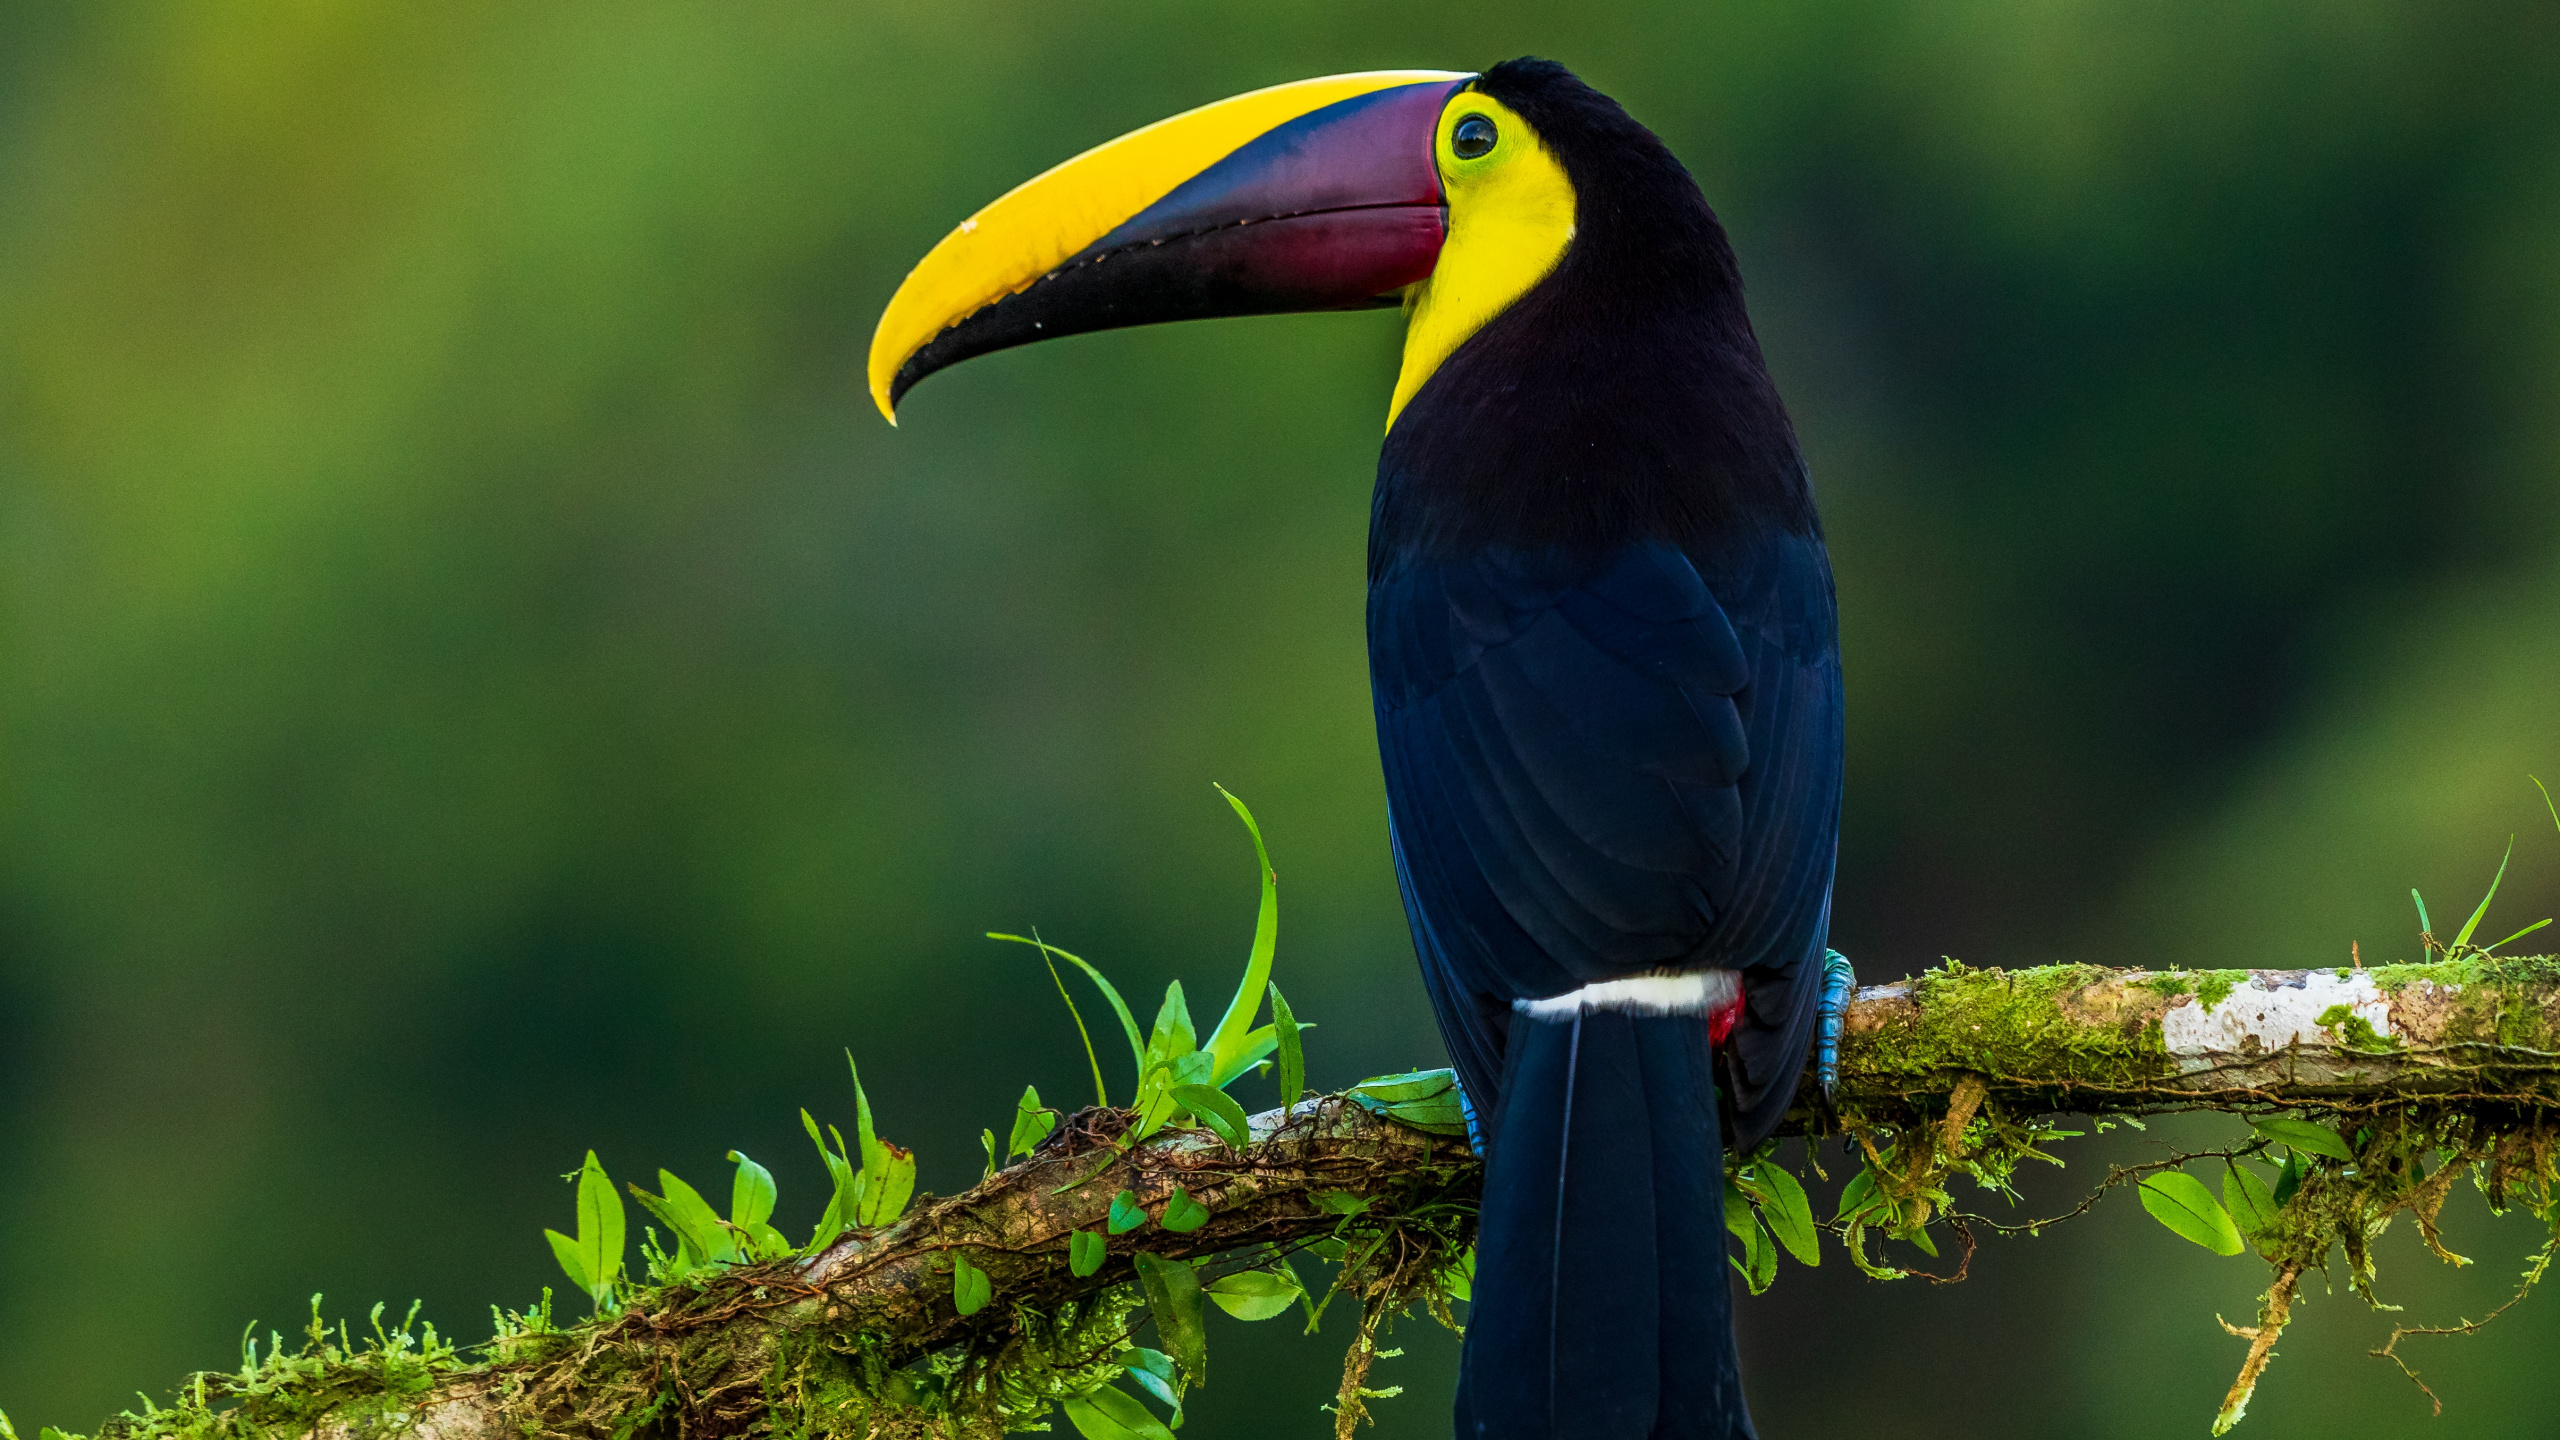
point(1318, 195)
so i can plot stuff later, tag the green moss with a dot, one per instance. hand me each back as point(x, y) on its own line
point(2215, 986)
point(368, 1383)
point(2353, 1030)
point(2488, 1000)
point(2020, 1022)
point(823, 1387)
point(2210, 987)
point(2472, 970)
point(2540, 970)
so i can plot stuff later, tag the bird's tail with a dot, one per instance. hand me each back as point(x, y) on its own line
point(1601, 1302)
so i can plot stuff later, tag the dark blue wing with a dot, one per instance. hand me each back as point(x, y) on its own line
point(1611, 770)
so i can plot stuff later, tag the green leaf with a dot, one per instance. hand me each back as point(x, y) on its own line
point(1441, 1115)
point(846, 1201)
point(1191, 1069)
point(2425, 926)
point(1172, 1038)
point(1086, 1250)
point(566, 1251)
point(1784, 1207)
point(2304, 1135)
point(1737, 1214)
point(834, 1160)
point(1256, 1294)
point(600, 1230)
point(751, 1194)
point(1293, 1054)
point(2288, 1179)
point(2529, 929)
point(1258, 1046)
point(1228, 1042)
point(1119, 1007)
point(970, 1287)
point(1218, 1111)
point(1048, 960)
point(2178, 1200)
point(1169, 1046)
point(1139, 1360)
point(987, 1141)
point(1109, 1414)
point(697, 1222)
point(1157, 1103)
point(1126, 1213)
point(1460, 1278)
point(885, 1194)
point(1424, 1099)
point(888, 1175)
point(700, 1237)
point(1032, 1123)
point(872, 1151)
point(1182, 1214)
point(1411, 1085)
point(1154, 1372)
point(2463, 936)
point(1341, 1202)
point(1764, 1265)
point(839, 1170)
point(1172, 1289)
point(2246, 1197)
point(1859, 1195)
point(1758, 1262)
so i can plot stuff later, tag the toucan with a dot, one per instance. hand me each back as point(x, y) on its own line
point(1603, 652)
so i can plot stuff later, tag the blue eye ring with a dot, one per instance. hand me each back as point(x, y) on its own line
point(1473, 138)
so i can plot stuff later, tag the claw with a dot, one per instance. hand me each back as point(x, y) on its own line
point(1467, 1108)
point(1839, 982)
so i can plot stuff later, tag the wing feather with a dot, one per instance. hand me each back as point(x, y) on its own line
point(1599, 771)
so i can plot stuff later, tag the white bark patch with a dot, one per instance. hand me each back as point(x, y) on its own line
point(2270, 1012)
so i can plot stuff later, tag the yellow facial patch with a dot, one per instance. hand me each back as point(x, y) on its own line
point(1510, 218)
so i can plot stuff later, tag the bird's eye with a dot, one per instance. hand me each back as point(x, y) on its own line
point(1474, 137)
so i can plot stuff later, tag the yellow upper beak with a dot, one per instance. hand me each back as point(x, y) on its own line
point(1040, 224)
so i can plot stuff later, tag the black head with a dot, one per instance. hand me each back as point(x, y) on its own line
point(1621, 396)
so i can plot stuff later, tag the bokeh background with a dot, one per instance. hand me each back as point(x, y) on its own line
point(478, 681)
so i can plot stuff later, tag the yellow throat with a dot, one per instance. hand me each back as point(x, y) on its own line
point(1510, 219)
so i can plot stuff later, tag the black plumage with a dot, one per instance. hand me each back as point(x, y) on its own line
point(1604, 657)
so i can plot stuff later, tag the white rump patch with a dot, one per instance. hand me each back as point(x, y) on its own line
point(2258, 1017)
point(1700, 992)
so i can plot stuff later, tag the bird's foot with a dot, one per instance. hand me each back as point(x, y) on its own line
point(1467, 1108)
point(1839, 982)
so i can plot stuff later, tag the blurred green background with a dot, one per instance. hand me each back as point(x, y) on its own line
point(478, 680)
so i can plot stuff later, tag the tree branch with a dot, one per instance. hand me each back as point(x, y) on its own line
point(736, 1353)
point(2083, 1038)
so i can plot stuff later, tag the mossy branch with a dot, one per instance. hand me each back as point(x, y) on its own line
point(2082, 1039)
point(1944, 1073)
